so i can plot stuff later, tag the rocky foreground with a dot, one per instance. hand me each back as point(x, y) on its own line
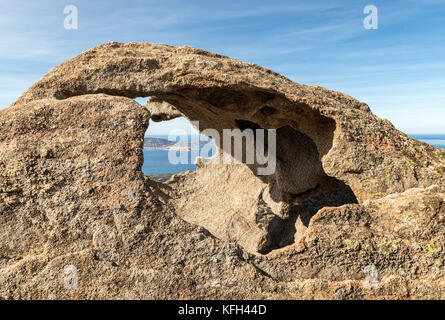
point(355, 209)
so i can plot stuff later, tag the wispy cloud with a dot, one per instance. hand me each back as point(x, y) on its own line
point(400, 66)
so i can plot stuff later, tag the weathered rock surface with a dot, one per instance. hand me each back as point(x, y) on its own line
point(161, 110)
point(350, 192)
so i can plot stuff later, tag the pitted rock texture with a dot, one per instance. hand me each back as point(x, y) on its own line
point(161, 110)
point(72, 192)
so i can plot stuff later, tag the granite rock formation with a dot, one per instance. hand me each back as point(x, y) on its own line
point(161, 110)
point(354, 201)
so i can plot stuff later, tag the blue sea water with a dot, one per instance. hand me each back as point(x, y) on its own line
point(156, 161)
point(436, 140)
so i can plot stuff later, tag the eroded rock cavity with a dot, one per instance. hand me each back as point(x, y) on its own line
point(261, 213)
point(331, 148)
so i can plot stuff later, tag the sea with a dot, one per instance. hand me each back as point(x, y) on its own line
point(436, 140)
point(156, 161)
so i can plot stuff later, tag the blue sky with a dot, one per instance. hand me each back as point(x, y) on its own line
point(398, 69)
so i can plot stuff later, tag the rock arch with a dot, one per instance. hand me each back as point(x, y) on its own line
point(329, 143)
point(355, 146)
point(71, 190)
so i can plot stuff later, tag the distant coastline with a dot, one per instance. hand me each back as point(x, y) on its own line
point(161, 143)
point(156, 152)
point(436, 140)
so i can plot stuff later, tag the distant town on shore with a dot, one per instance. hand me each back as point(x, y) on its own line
point(165, 144)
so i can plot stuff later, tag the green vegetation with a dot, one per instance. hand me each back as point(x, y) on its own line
point(376, 195)
point(431, 249)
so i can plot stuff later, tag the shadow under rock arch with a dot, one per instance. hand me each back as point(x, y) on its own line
point(303, 137)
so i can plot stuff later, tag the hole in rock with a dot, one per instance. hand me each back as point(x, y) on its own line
point(173, 146)
point(259, 212)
